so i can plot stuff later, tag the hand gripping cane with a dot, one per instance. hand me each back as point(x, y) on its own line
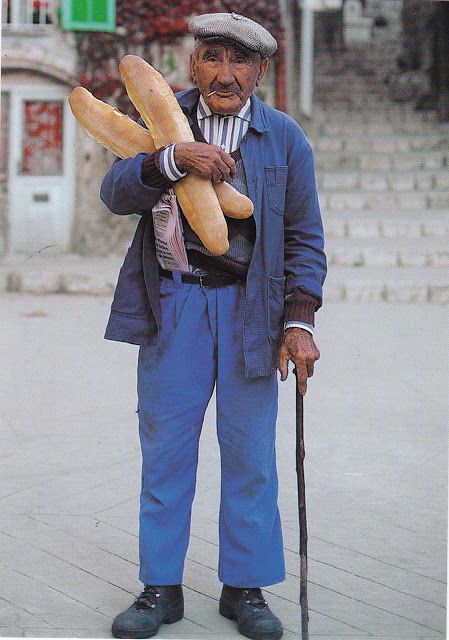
point(302, 513)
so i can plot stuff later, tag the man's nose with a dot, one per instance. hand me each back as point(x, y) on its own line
point(225, 74)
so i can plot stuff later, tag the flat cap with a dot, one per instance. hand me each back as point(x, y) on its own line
point(233, 26)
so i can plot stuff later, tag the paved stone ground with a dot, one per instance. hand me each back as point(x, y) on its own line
point(358, 272)
point(375, 474)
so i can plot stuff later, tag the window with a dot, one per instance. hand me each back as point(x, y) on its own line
point(42, 152)
point(88, 15)
point(28, 12)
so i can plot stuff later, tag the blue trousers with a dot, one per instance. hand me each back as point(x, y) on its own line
point(200, 346)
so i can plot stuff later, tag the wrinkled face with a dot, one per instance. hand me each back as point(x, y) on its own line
point(229, 71)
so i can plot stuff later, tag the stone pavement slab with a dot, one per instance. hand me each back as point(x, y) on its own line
point(360, 266)
point(376, 460)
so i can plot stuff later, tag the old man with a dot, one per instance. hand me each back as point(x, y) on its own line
point(225, 322)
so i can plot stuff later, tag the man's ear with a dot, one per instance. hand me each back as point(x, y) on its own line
point(192, 67)
point(262, 71)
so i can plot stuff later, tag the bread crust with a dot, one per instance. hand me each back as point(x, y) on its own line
point(203, 204)
point(108, 126)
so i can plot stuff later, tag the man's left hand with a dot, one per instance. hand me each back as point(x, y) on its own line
point(298, 346)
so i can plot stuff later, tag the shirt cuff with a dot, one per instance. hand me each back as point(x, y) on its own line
point(168, 165)
point(301, 325)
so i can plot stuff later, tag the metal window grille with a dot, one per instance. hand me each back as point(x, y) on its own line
point(28, 12)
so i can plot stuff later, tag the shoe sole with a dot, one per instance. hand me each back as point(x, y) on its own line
point(175, 617)
point(226, 612)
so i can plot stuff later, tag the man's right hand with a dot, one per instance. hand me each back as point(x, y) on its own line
point(206, 160)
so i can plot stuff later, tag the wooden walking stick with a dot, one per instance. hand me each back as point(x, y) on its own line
point(300, 453)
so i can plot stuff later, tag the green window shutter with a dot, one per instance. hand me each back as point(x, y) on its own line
point(88, 15)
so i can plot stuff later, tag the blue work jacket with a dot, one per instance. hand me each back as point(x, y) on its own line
point(289, 246)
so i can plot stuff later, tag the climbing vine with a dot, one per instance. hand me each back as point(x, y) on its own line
point(142, 22)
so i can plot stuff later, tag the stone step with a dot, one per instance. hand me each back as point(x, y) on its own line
point(376, 71)
point(402, 284)
point(324, 81)
point(370, 57)
point(389, 252)
point(376, 75)
point(383, 181)
point(390, 200)
point(375, 88)
point(55, 272)
point(379, 128)
point(375, 225)
point(352, 68)
point(354, 102)
point(378, 160)
point(371, 113)
point(95, 276)
point(386, 143)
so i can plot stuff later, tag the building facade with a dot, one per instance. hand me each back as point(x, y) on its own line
point(50, 170)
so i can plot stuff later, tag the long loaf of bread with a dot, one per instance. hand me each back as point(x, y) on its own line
point(159, 109)
point(125, 138)
point(108, 126)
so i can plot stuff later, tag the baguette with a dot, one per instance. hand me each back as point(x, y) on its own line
point(233, 203)
point(156, 103)
point(125, 138)
point(114, 130)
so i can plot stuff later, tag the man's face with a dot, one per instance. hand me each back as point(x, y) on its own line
point(230, 72)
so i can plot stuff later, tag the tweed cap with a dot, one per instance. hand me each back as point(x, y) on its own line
point(232, 26)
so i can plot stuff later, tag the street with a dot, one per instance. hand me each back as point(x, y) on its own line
point(376, 476)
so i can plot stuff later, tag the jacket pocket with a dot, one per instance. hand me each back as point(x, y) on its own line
point(275, 307)
point(130, 296)
point(276, 183)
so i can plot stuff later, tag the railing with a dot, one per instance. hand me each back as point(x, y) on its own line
point(20, 13)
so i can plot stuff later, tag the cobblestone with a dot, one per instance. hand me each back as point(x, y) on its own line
point(334, 228)
point(401, 292)
point(392, 201)
point(365, 292)
point(439, 294)
point(401, 229)
point(438, 228)
point(373, 182)
point(401, 182)
point(363, 229)
point(372, 257)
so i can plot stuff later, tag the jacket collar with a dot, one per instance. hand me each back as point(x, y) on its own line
point(189, 99)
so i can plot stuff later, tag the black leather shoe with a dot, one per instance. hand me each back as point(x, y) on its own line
point(253, 615)
point(154, 606)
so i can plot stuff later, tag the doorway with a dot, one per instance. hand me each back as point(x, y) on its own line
point(39, 167)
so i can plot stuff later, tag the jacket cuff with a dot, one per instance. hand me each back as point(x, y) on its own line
point(301, 307)
point(152, 176)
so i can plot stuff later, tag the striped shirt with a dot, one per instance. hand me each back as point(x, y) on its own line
point(224, 131)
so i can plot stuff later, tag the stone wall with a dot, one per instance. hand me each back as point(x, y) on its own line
point(96, 231)
point(47, 50)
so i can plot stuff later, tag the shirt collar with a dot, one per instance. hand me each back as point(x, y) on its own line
point(204, 111)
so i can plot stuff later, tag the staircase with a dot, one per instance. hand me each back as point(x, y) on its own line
point(383, 180)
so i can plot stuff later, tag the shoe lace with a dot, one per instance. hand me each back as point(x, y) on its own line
point(255, 598)
point(148, 598)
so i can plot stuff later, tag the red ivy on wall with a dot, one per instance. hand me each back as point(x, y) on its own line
point(141, 22)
